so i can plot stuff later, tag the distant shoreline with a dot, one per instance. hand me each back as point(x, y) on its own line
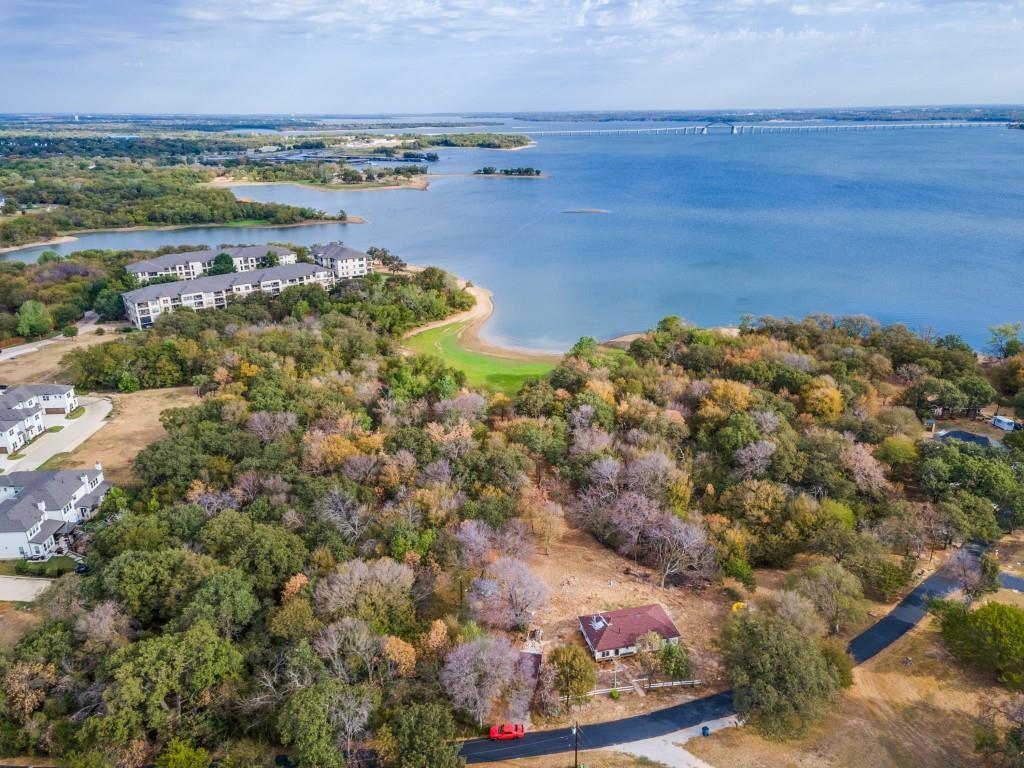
point(63, 239)
point(419, 182)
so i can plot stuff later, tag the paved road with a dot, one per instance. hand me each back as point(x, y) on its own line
point(876, 638)
point(22, 589)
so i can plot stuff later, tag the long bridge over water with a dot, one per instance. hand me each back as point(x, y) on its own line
point(745, 128)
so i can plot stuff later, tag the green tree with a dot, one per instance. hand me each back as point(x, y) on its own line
point(675, 661)
point(835, 593)
point(181, 754)
point(158, 683)
point(990, 638)
point(574, 673)
point(226, 600)
point(421, 736)
point(222, 264)
point(1004, 340)
point(34, 319)
point(783, 682)
point(305, 724)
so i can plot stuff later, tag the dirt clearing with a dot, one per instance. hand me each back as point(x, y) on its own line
point(43, 365)
point(16, 622)
point(133, 424)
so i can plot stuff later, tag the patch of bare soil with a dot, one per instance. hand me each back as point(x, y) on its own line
point(1010, 551)
point(44, 364)
point(920, 715)
point(133, 424)
point(16, 622)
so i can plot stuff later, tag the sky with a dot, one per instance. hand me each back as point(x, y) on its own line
point(420, 56)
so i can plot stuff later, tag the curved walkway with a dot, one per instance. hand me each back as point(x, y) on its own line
point(900, 620)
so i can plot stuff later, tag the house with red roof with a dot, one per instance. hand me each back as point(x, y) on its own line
point(611, 634)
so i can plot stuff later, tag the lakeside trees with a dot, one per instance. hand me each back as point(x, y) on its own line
point(75, 194)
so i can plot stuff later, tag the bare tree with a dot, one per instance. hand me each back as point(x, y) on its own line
point(475, 544)
point(752, 461)
point(634, 517)
point(268, 425)
point(348, 516)
point(509, 596)
point(350, 649)
point(477, 673)
point(350, 712)
point(676, 547)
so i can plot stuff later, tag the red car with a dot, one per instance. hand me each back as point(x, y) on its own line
point(507, 732)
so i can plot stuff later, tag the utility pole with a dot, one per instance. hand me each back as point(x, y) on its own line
point(576, 756)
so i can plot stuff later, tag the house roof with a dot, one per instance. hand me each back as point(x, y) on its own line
point(15, 396)
point(612, 630)
point(205, 256)
point(54, 488)
point(337, 251)
point(16, 415)
point(46, 530)
point(212, 283)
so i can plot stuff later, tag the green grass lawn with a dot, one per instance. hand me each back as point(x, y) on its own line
point(51, 568)
point(494, 373)
point(56, 461)
point(77, 413)
point(54, 429)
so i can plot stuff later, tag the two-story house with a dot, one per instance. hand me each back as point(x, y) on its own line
point(37, 509)
point(345, 262)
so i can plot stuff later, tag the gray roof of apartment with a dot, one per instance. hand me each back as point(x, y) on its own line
point(212, 283)
point(338, 251)
point(54, 489)
point(205, 256)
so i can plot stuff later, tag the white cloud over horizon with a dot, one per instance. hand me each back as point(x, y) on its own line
point(359, 56)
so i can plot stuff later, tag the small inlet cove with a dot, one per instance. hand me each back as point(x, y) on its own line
point(919, 227)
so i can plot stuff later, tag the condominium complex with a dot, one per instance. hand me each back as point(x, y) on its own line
point(345, 262)
point(22, 409)
point(194, 264)
point(145, 304)
point(39, 509)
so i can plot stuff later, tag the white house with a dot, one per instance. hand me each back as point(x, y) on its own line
point(38, 509)
point(190, 265)
point(345, 262)
point(22, 409)
point(145, 304)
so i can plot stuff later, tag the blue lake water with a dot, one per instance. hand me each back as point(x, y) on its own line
point(924, 227)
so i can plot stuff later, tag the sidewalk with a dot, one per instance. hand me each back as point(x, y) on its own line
point(668, 749)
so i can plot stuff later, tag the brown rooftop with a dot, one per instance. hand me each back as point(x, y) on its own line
point(612, 630)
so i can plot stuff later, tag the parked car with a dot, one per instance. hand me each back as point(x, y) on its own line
point(82, 569)
point(507, 732)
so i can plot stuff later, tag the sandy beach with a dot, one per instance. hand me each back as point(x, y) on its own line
point(53, 241)
point(474, 319)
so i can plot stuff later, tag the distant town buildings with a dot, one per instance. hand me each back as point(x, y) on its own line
point(190, 265)
point(39, 509)
point(145, 304)
point(610, 634)
point(345, 262)
point(22, 409)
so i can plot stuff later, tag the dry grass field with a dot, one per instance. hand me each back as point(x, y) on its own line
point(133, 424)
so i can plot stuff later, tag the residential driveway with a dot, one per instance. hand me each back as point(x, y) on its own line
point(74, 433)
point(668, 749)
point(22, 589)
